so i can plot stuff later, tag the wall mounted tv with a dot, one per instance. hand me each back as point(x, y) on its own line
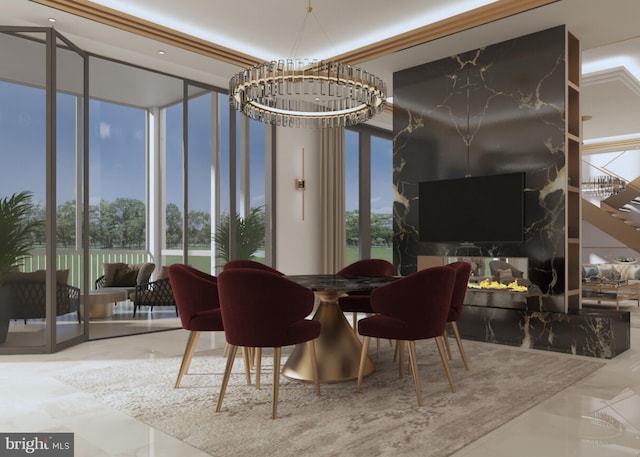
point(480, 209)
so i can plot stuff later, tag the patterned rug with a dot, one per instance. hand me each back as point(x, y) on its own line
point(383, 420)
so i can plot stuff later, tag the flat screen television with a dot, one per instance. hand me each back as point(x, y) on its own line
point(480, 209)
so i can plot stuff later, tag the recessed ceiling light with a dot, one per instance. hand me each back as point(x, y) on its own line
point(52, 19)
point(161, 52)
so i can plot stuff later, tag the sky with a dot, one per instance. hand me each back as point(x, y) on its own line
point(117, 149)
point(117, 152)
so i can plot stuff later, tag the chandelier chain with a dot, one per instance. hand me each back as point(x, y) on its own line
point(300, 36)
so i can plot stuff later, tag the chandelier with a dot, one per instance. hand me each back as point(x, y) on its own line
point(603, 186)
point(307, 93)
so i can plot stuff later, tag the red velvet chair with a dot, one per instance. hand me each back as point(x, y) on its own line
point(249, 264)
point(358, 301)
point(463, 270)
point(253, 354)
point(264, 309)
point(414, 307)
point(196, 295)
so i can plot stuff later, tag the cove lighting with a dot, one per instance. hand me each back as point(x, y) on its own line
point(416, 19)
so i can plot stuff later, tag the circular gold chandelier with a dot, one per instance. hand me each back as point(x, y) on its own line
point(307, 93)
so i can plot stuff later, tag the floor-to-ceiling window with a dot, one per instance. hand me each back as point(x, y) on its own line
point(42, 152)
point(368, 193)
point(160, 174)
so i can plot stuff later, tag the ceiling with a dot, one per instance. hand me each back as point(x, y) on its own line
point(272, 29)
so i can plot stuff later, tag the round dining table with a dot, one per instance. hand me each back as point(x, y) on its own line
point(338, 347)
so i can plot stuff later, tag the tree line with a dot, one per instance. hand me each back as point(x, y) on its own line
point(121, 225)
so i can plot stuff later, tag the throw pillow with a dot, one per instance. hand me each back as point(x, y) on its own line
point(163, 274)
point(605, 270)
point(62, 276)
point(144, 271)
point(125, 277)
point(589, 271)
point(505, 275)
point(110, 270)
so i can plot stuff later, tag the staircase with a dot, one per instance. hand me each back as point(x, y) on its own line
point(612, 220)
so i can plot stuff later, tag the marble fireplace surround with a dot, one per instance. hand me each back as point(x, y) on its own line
point(499, 109)
point(494, 110)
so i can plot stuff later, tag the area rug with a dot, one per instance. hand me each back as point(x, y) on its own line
point(382, 420)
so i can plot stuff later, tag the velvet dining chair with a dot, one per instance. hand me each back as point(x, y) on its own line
point(415, 307)
point(463, 271)
point(358, 301)
point(263, 309)
point(232, 264)
point(196, 295)
point(253, 354)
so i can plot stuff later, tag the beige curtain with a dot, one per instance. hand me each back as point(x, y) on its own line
point(332, 199)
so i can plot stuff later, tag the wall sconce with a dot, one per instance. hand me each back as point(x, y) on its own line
point(301, 184)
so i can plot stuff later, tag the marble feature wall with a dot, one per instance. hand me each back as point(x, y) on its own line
point(493, 110)
point(598, 333)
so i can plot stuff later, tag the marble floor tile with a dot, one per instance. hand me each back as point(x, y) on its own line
point(597, 416)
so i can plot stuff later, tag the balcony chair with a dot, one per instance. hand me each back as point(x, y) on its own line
point(153, 293)
point(264, 309)
point(196, 297)
point(125, 277)
point(27, 295)
point(463, 271)
point(412, 308)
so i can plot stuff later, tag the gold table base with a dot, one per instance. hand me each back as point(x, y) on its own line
point(337, 348)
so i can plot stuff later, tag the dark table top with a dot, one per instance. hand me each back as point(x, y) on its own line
point(345, 283)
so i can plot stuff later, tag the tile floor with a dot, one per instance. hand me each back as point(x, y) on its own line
point(598, 416)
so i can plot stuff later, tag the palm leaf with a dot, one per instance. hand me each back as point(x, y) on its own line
point(249, 235)
point(16, 230)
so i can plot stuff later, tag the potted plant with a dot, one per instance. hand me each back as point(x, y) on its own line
point(249, 235)
point(16, 239)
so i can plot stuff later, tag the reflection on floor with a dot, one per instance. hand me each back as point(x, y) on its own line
point(598, 416)
point(121, 323)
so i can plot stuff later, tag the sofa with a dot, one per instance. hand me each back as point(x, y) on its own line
point(611, 271)
point(27, 295)
point(124, 276)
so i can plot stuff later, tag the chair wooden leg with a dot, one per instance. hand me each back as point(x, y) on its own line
point(251, 352)
point(414, 370)
point(276, 381)
point(355, 323)
point(401, 358)
point(445, 363)
point(363, 360)
point(224, 351)
point(247, 367)
point(445, 336)
point(456, 333)
point(227, 372)
point(188, 355)
point(258, 366)
point(314, 365)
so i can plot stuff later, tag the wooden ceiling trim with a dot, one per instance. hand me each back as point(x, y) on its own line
point(132, 24)
point(479, 16)
point(464, 21)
